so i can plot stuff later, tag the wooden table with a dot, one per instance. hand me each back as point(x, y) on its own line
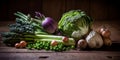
point(108, 53)
point(105, 53)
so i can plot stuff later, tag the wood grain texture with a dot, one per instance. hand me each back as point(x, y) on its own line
point(82, 55)
point(53, 8)
point(98, 9)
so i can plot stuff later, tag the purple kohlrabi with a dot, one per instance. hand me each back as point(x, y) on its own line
point(49, 25)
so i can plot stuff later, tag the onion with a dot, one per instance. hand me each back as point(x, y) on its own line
point(102, 29)
point(107, 41)
point(54, 43)
point(49, 25)
point(23, 44)
point(65, 39)
point(17, 45)
point(82, 44)
point(106, 33)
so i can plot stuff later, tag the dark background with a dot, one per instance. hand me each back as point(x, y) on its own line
point(104, 12)
point(98, 9)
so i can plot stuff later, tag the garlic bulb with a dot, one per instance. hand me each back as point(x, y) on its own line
point(94, 40)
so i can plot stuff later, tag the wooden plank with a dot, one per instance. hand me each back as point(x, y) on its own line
point(83, 5)
point(14, 6)
point(77, 4)
point(98, 10)
point(12, 53)
point(113, 10)
point(69, 5)
point(33, 6)
point(61, 56)
point(82, 56)
point(53, 8)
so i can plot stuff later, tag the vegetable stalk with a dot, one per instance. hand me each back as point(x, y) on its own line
point(39, 37)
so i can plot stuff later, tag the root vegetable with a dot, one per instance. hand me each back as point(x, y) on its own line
point(17, 45)
point(23, 44)
point(107, 41)
point(49, 25)
point(65, 39)
point(101, 29)
point(54, 43)
point(94, 40)
point(106, 33)
point(82, 44)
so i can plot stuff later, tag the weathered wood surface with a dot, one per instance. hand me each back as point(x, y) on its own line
point(61, 56)
point(11, 53)
point(98, 9)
